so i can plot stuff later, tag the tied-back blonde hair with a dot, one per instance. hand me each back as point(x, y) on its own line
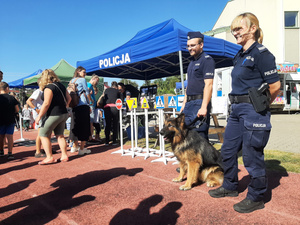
point(95, 76)
point(251, 19)
point(48, 76)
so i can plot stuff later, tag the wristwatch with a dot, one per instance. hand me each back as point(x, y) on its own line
point(34, 108)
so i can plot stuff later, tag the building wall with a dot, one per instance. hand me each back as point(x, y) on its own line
point(271, 17)
point(292, 35)
point(292, 45)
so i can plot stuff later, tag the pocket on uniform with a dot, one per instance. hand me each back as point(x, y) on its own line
point(196, 68)
point(258, 131)
point(249, 63)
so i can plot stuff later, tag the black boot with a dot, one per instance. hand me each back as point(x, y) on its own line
point(222, 192)
point(247, 206)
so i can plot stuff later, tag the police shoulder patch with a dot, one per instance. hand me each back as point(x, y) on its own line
point(261, 48)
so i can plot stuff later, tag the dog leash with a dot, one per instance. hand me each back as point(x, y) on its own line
point(202, 120)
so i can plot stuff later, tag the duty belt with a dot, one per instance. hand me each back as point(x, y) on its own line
point(236, 99)
point(193, 97)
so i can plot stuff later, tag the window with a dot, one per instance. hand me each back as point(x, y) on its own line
point(291, 19)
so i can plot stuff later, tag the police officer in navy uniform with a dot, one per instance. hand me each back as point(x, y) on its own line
point(248, 129)
point(200, 74)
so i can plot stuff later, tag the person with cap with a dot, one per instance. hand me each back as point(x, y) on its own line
point(248, 127)
point(200, 74)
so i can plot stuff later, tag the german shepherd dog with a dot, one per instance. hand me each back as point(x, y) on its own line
point(197, 157)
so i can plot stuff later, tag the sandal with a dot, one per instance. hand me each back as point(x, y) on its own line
point(48, 163)
point(64, 160)
point(39, 155)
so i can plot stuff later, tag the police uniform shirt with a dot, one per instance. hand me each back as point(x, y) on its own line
point(198, 70)
point(252, 68)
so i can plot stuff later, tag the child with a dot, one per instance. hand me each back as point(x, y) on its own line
point(26, 113)
point(9, 107)
point(35, 102)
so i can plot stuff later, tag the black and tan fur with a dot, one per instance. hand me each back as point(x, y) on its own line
point(198, 159)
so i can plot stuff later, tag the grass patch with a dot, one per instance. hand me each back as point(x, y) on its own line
point(283, 161)
point(280, 161)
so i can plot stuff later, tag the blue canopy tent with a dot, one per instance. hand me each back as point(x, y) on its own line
point(156, 52)
point(20, 82)
point(179, 84)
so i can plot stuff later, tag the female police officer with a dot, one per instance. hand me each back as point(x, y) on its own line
point(248, 128)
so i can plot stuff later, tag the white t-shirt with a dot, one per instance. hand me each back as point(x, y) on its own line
point(26, 113)
point(37, 101)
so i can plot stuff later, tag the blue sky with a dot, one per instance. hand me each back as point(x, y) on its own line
point(36, 34)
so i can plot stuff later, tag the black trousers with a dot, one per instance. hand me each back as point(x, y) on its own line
point(97, 128)
point(112, 123)
point(80, 123)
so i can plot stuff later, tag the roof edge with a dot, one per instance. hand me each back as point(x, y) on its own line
point(217, 31)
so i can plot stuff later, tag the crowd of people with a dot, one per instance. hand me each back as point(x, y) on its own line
point(248, 128)
point(47, 110)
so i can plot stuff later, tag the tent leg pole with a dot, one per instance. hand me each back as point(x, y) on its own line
point(181, 71)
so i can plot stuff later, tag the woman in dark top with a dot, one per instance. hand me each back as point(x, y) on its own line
point(110, 111)
point(53, 115)
point(248, 127)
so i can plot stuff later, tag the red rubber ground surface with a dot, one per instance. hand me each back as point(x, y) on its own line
point(105, 188)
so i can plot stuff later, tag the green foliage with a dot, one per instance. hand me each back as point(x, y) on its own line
point(147, 83)
point(126, 81)
point(167, 85)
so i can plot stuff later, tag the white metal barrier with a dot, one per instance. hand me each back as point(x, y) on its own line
point(145, 152)
point(21, 130)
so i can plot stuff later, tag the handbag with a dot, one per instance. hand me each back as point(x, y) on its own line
point(72, 89)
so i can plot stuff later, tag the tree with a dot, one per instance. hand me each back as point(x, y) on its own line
point(166, 86)
point(126, 81)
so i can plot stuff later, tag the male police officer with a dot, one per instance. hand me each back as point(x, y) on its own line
point(200, 74)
